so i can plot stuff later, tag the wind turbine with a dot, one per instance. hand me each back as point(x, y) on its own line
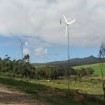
point(67, 24)
point(22, 44)
point(67, 32)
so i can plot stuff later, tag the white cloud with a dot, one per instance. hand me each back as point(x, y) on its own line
point(40, 18)
point(26, 51)
point(40, 51)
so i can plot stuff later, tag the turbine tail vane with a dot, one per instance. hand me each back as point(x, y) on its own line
point(60, 21)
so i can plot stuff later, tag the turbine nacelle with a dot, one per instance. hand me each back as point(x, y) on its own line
point(22, 43)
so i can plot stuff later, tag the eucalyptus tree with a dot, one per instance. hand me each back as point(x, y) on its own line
point(26, 58)
point(102, 59)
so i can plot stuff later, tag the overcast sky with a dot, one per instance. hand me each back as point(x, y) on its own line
point(37, 22)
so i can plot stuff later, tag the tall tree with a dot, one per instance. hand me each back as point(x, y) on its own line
point(27, 58)
point(101, 58)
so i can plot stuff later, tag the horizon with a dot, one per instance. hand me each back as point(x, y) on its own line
point(65, 60)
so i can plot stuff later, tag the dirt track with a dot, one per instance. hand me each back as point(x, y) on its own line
point(9, 96)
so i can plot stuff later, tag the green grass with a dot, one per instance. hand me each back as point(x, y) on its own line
point(96, 68)
point(55, 92)
point(84, 85)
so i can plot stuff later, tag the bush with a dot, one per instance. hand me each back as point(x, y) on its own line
point(85, 72)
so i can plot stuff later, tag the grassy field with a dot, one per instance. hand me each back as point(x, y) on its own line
point(96, 67)
point(83, 85)
point(82, 92)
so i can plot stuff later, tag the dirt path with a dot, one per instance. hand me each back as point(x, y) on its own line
point(9, 96)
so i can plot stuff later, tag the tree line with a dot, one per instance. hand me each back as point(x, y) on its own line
point(17, 68)
point(23, 69)
point(60, 72)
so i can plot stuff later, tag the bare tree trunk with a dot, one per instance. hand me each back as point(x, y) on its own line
point(103, 82)
point(104, 89)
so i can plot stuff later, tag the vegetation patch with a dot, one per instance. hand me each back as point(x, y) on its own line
point(55, 96)
point(96, 67)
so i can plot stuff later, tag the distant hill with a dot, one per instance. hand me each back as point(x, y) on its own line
point(74, 62)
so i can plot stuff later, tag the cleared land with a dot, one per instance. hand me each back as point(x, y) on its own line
point(12, 96)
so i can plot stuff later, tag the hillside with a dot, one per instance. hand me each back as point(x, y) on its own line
point(96, 67)
point(74, 62)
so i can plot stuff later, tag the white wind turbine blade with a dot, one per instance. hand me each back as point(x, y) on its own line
point(66, 32)
point(65, 18)
point(71, 22)
point(26, 43)
point(20, 41)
